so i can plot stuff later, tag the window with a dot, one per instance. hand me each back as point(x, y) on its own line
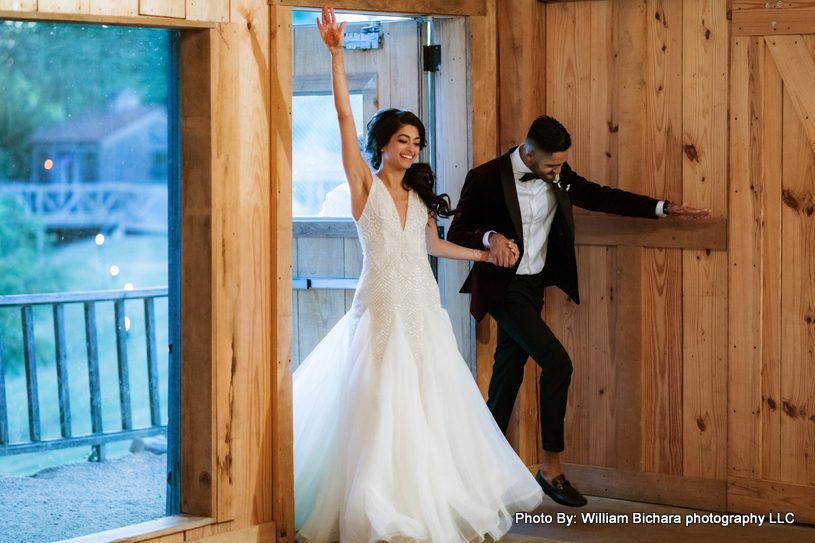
point(318, 178)
point(85, 319)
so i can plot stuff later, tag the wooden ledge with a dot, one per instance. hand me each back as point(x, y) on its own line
point(419, 7)
point(144, 21)
point(146, 530)
point(666, 232)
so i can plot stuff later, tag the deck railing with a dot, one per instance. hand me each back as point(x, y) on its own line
point(98, 437)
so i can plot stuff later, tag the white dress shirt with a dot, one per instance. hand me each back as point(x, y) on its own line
point(538, 206)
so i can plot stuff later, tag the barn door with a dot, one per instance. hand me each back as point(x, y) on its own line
point(771, 378)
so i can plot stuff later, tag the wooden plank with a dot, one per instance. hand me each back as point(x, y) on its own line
point(746, 495)
point(209, 531)
point(63, 390)
point(797, 302)
point(797, 69)
point(628, 343)
point(419, 7)
point(152, 362)
point(568, 91)
point(124, 371)
point(483, 61)
point(744, 240)
point(295, 317)
point(319, 309)
point(452, 163)
point(18, 5)
point(771, 206)
point(280, 500)
point(691, 492)
point(64, 6)
point(262, 533)
point(704, 273)
point(3, 404)
point(176, 9)
point(32, 390)
point(403, 64)
point(307, 227)
point(136, 22)
point(773, 22)
point(118, 8)
point(226, 292)
point(145, 531)
point(662, 269)
point(207, 10)
point(199, 488)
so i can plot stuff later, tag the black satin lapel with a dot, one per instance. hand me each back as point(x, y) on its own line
point(565, 205)
point(511, 195)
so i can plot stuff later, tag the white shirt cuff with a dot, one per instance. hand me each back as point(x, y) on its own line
point(660, 207)
point(486, 239)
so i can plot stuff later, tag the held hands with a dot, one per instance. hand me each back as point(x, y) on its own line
point(503, 252)
point(331, 34)
point(687, 212)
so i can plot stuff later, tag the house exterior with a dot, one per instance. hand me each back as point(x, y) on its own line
point(127, 143)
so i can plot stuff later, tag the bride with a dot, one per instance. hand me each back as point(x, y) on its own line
point(392, 439)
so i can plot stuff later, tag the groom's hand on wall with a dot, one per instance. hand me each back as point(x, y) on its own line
point(503, 251)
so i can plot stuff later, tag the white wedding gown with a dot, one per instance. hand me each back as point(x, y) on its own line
point(392, 439)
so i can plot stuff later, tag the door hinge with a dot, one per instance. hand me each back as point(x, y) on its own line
point(369, 37)
point(431, 58)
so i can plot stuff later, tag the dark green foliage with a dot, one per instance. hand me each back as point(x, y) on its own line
point(49, 72)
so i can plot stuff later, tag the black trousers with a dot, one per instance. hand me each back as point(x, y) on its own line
point(523, 333)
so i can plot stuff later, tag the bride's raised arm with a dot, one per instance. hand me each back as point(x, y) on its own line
point(356, 170)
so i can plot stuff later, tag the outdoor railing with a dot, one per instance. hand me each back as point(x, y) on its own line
point(132, 206)
point(98, 437)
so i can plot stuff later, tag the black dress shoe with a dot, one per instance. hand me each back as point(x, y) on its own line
point(561, 491)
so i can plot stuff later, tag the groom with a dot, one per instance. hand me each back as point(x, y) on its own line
point(525, 197)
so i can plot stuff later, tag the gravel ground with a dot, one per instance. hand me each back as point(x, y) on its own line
point(84, 498)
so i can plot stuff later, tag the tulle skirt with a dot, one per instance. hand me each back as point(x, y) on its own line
point(398, 451)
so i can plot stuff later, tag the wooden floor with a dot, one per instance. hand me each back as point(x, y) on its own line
point(582, 532)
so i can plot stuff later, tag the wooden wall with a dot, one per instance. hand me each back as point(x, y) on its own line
point(681, 350)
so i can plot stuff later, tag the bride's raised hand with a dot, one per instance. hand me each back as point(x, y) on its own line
point(331, 34)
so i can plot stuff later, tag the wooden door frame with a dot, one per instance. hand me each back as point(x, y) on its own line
point(480, 16)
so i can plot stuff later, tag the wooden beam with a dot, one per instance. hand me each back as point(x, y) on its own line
point(419, 7)
point(280, 161)
point(797, 69)
point(83, 18)
point(666, 232)
point(146, 531)
point(679, 491)
point(765, 497)
point(754, 18)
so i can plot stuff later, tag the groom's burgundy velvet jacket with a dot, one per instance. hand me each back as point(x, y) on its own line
point(489, 201)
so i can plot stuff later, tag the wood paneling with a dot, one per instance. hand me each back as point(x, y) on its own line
point(122, 8)
point(207, 10)
point(419, 7)
point(745, 495)
point(18, 5)
point(263, 533)
point(797, 69)
point(704, 274)
point(773, 21)
point(627, 400)
point(110, 20)
point(163, 8)
point(691, 492)
point(744, 358)
point(64, 6)
point(279, 79)
point(599, 229)
point(154, 530)
point(797, 299)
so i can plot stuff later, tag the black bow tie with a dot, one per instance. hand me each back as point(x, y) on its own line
point(529, 176)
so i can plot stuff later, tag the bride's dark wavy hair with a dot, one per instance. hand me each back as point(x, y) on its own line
point(419, 177)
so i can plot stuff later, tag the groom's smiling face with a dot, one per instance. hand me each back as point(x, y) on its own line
point(545, 166)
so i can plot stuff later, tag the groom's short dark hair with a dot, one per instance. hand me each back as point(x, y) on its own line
point(548, 136)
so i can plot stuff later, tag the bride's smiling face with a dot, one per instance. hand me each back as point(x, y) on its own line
point(403, 148)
